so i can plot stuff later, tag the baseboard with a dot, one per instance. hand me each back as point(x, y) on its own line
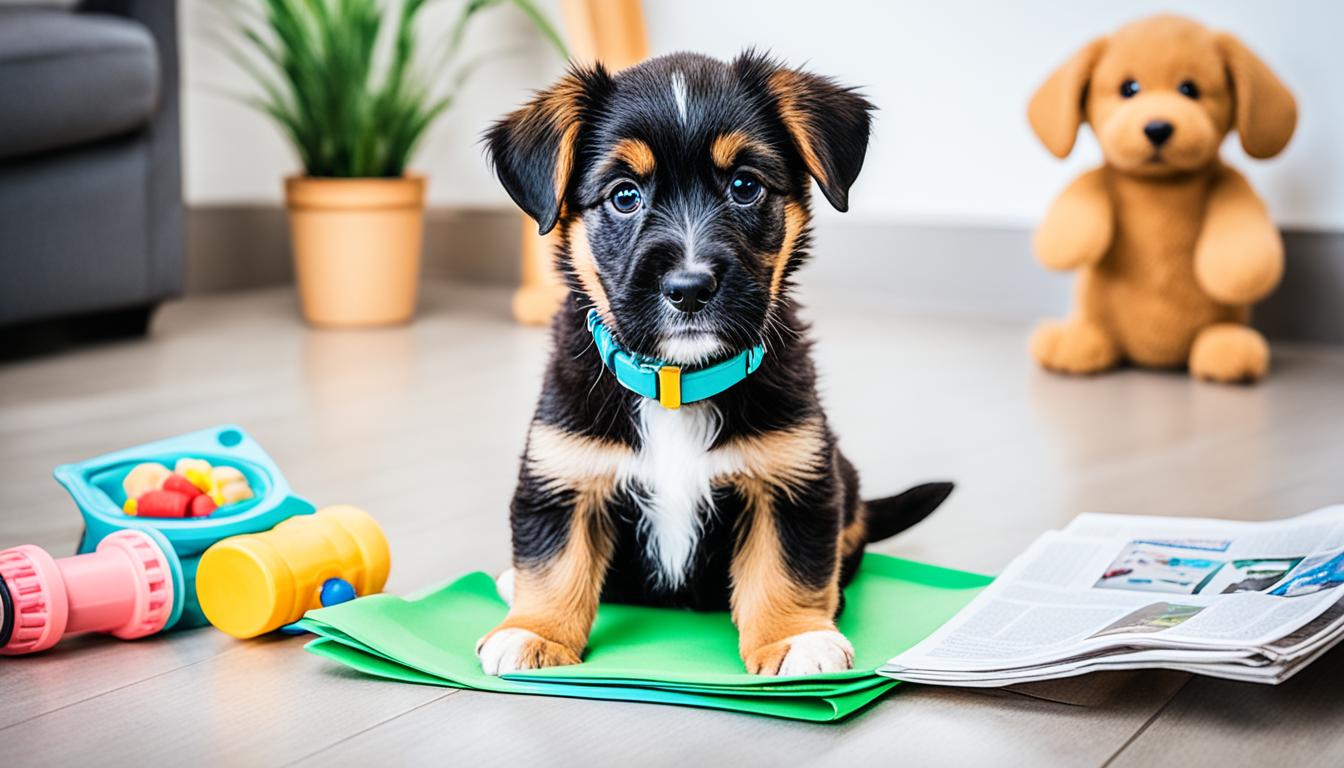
point(236, 247)
point(942, 270)
point(991, 272)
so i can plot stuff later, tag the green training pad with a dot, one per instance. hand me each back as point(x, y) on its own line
point(646, 654)
point(820, 709)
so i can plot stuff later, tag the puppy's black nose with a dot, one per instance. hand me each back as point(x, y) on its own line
point(689, 291)
point(1158, 131)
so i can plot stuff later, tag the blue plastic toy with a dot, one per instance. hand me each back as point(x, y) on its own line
point(96, 487)
point(336, 591)
point(333, 592)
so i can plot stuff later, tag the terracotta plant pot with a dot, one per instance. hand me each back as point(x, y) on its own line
point(357, 248)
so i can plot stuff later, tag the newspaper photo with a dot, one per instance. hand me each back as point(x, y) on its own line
point(1246, 601)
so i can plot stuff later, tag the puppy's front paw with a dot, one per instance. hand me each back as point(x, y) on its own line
point(512, 648)
point(807, 653)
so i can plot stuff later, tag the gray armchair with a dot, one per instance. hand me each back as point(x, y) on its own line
point(90, 166)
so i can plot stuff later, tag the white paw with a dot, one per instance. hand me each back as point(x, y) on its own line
point(817, 652)
point(504, 586)
point(501, 653)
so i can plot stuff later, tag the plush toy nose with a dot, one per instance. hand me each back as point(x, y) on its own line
point(689, 291)
point(1158, 131)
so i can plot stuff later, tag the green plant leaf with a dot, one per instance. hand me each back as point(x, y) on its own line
point(340, 77)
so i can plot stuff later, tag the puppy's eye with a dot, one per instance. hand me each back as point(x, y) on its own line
point(745, 188)
point(1129, 88)
point(1189, 89)
point(626, 197)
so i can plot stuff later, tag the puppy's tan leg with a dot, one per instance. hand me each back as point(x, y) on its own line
point(784, 627)
point(554, 602)
point(1229, 353)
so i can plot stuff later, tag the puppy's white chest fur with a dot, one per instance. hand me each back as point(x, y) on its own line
point(672, 478)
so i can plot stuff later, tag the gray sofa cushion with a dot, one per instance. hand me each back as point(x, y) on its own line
point(72, 231)
point(68, 78)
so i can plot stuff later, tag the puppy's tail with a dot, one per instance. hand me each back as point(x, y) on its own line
point(888, 517)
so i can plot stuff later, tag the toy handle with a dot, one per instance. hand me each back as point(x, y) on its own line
point(256, 583)
point(129, 587)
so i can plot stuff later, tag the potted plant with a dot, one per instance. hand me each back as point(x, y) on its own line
point(341, 80)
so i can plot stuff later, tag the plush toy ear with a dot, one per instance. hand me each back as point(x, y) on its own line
point(1266, 110)
point(828, 124)
point(1056, 109)
point(533, 149)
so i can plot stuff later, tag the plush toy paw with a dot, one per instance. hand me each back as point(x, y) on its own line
point(512, 648)
point(1079, 227)
point(1239, 271)
point(1077, 348)
point(1070, 244)
point(1229, 353)
point(807, 653)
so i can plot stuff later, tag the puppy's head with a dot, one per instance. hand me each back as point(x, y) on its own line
point(681, 190)
point(1161, 94)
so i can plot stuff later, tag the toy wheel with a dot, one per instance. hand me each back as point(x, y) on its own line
point(7, 618)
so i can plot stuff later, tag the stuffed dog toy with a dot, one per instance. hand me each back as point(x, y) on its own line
point(1172, 245)
point(679, 455)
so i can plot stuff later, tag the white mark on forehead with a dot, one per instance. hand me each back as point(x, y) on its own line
point(692, 230)
point(679, 94)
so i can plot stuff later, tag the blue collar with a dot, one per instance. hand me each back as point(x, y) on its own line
point(666, 383)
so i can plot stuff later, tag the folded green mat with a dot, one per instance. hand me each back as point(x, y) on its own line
point(813, 708)
point(647, 654)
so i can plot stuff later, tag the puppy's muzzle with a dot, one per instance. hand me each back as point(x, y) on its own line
point(689, 291)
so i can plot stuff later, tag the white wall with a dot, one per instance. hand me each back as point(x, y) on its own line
point(951, 78)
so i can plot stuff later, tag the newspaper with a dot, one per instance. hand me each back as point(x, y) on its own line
point(1244, 601)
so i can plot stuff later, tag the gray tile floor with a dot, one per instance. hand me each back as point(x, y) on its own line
point(422, 426)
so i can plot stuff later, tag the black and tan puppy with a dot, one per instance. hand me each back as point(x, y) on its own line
point(680, 188)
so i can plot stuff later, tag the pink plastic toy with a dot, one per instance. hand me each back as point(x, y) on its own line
point(130, 586)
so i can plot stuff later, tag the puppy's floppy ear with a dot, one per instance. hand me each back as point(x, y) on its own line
point(827, 122)
point(533, 149)
point(1266, 110)
point(1056, 109)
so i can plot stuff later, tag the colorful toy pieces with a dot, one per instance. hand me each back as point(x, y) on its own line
point(130, 587)
point(254, 584)
point(192, 489)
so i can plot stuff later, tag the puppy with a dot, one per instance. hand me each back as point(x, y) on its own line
point(679, 455)
point(1173, 246)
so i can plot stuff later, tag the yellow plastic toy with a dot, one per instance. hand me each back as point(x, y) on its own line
point(256, 583)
